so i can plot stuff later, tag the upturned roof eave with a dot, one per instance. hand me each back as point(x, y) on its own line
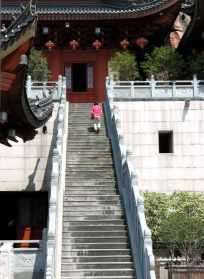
point(76, 13)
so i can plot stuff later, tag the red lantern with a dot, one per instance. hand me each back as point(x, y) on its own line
point(50, 45)
point(74, 44)
point(141, 42)
point(124, 43)
point(97, 44)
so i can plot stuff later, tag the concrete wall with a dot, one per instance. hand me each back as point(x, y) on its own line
point(25, 165)
point(181, 170)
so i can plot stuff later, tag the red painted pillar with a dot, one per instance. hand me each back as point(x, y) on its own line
point(101, 73)
point(55, 63)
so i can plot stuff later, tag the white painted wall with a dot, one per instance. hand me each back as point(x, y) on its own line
point(182, 170)
point(23, 166)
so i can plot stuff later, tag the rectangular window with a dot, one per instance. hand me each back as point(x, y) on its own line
point(165, 141)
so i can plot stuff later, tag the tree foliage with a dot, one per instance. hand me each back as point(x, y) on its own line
point(176, 220)
point(196, 65)
point(38, 66)
point(164, 63)
point(124, 66)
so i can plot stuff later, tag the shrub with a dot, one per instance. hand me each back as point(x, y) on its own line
point(176, 221)
point(164, 63)
point(196, 65)
point(123, 66)
point(38, 66)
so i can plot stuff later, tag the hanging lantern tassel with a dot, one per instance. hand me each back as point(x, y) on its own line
point(50, 45)
point(74, 44)
point(124, 44)
point(141, 42)
point(97, 44)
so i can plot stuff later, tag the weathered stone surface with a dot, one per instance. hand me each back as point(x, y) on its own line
point(95, 238)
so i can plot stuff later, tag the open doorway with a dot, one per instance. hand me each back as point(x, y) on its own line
point(79, 77)
point(20, 211)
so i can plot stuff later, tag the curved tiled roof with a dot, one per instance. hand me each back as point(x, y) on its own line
point(134, 9)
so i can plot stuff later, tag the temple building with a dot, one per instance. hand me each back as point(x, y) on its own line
point(79, 37)
point(66, 193)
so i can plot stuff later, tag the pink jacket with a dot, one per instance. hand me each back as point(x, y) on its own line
point(96, 111)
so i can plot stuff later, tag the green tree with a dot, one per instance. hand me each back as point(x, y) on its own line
point(156, 210)
point(176, 220)
point(196, 65)
point(38, 66)
point(164, 63)
point(184, 224)
point(124, 66)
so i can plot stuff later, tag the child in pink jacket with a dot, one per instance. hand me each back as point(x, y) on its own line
point(96, 112)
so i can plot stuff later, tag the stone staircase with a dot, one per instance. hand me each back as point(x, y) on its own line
point(95, 239)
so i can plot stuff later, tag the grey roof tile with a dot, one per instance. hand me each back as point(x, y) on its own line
point(88, 9)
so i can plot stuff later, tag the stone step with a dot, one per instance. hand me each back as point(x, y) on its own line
point(88, 153)
point(119, 233)
point(94, 228)
point(96, 253)
point(92, 217)
point(74, 177)
point(91, 209)
point(101, 140)
point(94, 246)
point(87, 135)
point(90, 172)
point(105, 213)
point(84, 191)
point(100, 266)
point(94, 198)
point(88, 149)
point(85, 141)
point(84, 160)
point(91, 183)
point(94, 240)
point(83, 122)
point(94, 272)
point(97, 259)
point(86, 125)
point(91, 204)
point(99, 277)
point(93, 167)
point(96, 223)
point(89, 186)
point(91, 157)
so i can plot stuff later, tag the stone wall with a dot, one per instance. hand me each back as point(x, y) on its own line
point(181, 170)
point(25, 166)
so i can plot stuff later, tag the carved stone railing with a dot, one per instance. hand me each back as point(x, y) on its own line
point(127, 177)
point(54, 234)
point(158, 90)
point(22, 259)
point(39, 90)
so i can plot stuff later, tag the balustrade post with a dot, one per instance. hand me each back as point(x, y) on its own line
point(28, 85)
point(195, 86)
point(132, 89)
point(153, 84)
point(64, 89)
point(59, 87)
point(174, 89)
point(110, 89)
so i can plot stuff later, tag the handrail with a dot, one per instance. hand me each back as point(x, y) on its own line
point(56, 191)
point(139, 233)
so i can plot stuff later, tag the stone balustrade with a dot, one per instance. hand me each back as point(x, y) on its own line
point(128, 183)
point(157, 89)
point(54, 234)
